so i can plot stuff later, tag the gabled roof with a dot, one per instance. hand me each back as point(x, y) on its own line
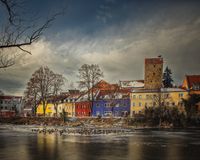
point(113, 94)
point(98, 87)
point(103, 85)
point(192, 80)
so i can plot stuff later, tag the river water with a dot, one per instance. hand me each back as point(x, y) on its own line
point(141, 145)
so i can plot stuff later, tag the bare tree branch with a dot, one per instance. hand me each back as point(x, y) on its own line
point(17, 32)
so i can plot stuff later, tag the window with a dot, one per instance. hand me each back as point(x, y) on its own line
point(107, 113)
point(133, 104)
point(97, 105)
point(173, 104)
point(147, 96)
point(146, 104)
point(166, 95)
point(107, 105)
point(140, 104)
point(180, 95)
point(116, 113)
point(97, 113)
point(140, 96)
point(134, 96)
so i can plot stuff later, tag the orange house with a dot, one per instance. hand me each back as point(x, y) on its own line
point(192, 84)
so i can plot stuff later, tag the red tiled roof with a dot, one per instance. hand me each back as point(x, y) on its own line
point(192, 80)
point(103, 85)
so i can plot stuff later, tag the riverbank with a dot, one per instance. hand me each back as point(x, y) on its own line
point(126, 123)
point(70, 122)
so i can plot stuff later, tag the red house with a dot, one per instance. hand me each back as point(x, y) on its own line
point(83, 109)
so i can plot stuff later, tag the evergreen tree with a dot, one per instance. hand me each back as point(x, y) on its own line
point(167, 78)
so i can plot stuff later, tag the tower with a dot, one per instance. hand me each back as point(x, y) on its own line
point(153, 73)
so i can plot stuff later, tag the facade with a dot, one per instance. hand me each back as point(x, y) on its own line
point(50, 110)
point(111, 107)
point(192, 84)
point(83, 109)
point(65, 102)
point(10, 105)
point(153, 73)
point(69, 108)
point(112, 103)
point(142, 98)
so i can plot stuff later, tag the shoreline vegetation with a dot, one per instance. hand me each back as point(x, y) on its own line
point(98, 122)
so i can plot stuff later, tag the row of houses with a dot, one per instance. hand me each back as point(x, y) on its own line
point(120, 102)
point(127, 98)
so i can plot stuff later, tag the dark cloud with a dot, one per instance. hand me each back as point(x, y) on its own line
point(137, 30)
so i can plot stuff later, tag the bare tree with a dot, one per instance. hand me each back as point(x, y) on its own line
point(161, 100)
point(43, 85)
point(96, 74)
point(57, 87)
point(89, 75)
point(32, 96)
point(17, 32)
point(85, 78)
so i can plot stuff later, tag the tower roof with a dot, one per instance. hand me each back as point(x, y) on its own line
point(153, 60)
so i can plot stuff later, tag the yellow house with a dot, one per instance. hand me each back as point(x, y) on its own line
point(50, 110)
point(69, 108)
point(141, 98)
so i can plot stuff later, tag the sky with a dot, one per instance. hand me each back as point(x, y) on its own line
point(115, 34)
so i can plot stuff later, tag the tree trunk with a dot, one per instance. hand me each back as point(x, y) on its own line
point(44, 108)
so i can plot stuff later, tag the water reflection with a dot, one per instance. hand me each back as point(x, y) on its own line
point(142, 145)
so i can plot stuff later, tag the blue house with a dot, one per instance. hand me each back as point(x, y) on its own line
point(107, 103)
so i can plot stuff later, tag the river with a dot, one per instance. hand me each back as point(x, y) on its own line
point(148, 144)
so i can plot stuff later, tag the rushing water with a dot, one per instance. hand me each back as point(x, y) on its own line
point(142, 145)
